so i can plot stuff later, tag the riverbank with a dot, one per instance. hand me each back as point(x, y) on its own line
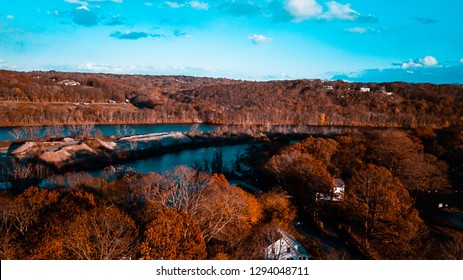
point(69, 154)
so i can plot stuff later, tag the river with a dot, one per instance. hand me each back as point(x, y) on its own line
point(202, 158)
point(112, 130)
point(6, 133)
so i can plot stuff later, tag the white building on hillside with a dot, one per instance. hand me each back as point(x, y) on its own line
point(364, 89)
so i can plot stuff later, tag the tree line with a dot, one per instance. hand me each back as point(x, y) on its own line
point(174, 99)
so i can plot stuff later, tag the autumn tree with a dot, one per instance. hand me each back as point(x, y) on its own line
point(20, 218)
point(405, 158)
point(171, 235)
point(226, 213)
point(302, 176)
point(49, 241)
point(277, 208)
point(103, 233)
point(381, 207)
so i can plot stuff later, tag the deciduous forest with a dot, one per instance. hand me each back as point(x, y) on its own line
point(41, 98)
point(392, 191)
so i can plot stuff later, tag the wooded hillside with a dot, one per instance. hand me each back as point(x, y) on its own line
point(68, 98)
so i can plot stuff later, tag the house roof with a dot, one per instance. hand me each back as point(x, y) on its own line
point(296, 247)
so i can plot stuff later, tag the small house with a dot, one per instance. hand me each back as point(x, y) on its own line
point(286, 248)
point(364, 89)
point(339, 188)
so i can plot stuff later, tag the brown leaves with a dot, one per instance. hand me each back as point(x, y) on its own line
point(379, 203)
point(172, 235)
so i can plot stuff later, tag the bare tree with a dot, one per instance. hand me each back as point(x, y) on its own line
point(34, 132)
point(73, 130)
point(56, 130)
point(124, 130)
point(17, 133)
point(101, 234)
point(86, 130)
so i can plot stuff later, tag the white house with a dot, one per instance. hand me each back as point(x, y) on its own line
point(364, 89)
point(286, 248)
point(339, 188)
point(69, 83)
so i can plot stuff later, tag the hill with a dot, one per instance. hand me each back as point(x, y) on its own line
point(39, 98)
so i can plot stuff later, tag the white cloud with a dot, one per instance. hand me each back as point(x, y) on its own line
point(461, 60)
point(5, 65)
point(10, 17)
point(93, 67)
point(339, 11)
point(429, 61)
point(303, 9)
point(174, 5)
point(411, 64)
point(426, 61)
point(149, 4)
point(361, 30)
point(83, 7)
point(199, 5)
point(259, 39)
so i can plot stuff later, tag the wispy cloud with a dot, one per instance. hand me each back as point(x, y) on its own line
point(461, 60)
point(426, 20)
point(10, 17)
point(5, 65)
point(181, 34)
point(258, 39)
point(451, 74)
point(361, 30)
point(106, 68)
point(196, 5)
point(141, 69)
point(85, 5)
point(199, 5)
point(115, 20)
point(339, 11)
point(174, 5)
point(133, 35)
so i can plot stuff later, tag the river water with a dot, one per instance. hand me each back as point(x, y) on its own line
point(6, 133)
point(197, 158)
point(112, 130)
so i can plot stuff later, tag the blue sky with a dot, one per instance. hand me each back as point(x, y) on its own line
point(356, 40)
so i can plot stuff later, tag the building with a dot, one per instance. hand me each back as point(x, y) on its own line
point(69, 83)
point(364, 89)
point(286, 248)
point(339, 188)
